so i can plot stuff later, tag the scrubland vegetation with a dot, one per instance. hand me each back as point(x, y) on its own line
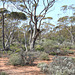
point(26, 37)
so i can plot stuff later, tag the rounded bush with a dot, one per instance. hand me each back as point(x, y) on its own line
point(15, 59)
point(39, 48)
point(61, 65)
point(44, 56)
point(3, 73)
point(23, 58)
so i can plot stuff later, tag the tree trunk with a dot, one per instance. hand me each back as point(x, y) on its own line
point(3, 30)
point(25, 41)
point(32, 44)
point(72, 39)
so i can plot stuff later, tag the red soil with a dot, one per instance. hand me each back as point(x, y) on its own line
point(21, 70)
point(25, 70)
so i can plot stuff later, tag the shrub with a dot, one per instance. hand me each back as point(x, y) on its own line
point(44, 56)
point(43, 67)
point(61, 65)
point(39, 65)
point(50, 45)
point(65, 52)
point(18, 50)
point(53, 53)
point(22, 58)
point(29, 57)
point(60, 52)
point(39, 48)
point(72, 47)
point(0, 56)
point(3, 73)
point(15, 59)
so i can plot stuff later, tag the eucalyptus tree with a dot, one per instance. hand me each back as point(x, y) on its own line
point(12, 23)
point(66, 23)
point(3, 12)
point(25, 28)
point(29, 7)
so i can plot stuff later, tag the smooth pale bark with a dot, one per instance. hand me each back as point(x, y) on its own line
point(25, 41)
point(35, 21)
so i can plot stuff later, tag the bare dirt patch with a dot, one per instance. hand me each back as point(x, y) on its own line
point(25, 70)
point(22, 70)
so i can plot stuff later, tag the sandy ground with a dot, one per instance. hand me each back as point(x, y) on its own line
point(22, 70)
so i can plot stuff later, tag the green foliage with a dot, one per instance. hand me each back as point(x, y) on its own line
point(43, 67)
point(39, 48)
point(44, 56)
point(1, 43)
point(15, 59)
point(60, 39)
point(18, 50)
point(53, 53)
point(29, 57)
point(65, 52)
point(50, 45)
point(22, 58)
point(3, 73)
point(17, 15)
point(9, 52)
point(72, 47)
point(3, 10)
point(15, 47)
point(0, 55)
point(61, 65)
point(39, 65)
point(65, 45)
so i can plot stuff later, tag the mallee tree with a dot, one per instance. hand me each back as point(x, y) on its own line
point(29, 7)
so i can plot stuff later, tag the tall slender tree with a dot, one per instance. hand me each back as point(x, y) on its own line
point(30, 7)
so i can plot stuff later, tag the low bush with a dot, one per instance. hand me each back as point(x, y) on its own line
point(50, 45)
point(0, 56)
point(39, 65)
point(44, 56)
point(72, 47)
point(39, 48)
point(15, 59)
point(22, 58)
point(43, 67)
point(3, 73)
point(59, 52)
point(61, 65)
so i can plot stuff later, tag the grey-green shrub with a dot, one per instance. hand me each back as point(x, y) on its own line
point(39, 65)
point(43, 67)
point(15, 59)
point(44, 56)
point(60, 52)
point(22, 58)
point(3, 73)
point(61, 65)
point(50, 45)
point(39, 48)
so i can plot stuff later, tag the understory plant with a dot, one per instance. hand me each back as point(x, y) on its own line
point(61, 65)
point(44, 56)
